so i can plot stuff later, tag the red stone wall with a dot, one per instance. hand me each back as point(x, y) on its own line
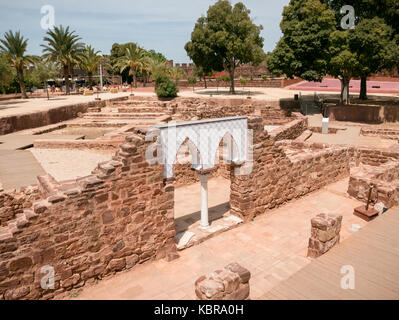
point(291, 130)
point(364, 113)
point(255, 83)
point(13, 202)
point(377, 167)
point(382, 133)
point(119, 216)
point(376, 157)
point(276, 179)
point(38, 119)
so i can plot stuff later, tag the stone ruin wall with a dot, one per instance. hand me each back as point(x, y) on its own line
point(380, 169)
point(276, 179)
point(13, 202)
point(188, 109)
point(291, 130)
point(38, 119)
point(120, 216)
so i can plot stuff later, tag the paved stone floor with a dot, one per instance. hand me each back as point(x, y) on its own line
point(273, 247)
point(350, 134)
point(188, 202)
point(18, 168)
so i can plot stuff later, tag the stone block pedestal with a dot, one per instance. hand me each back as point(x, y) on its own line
point(229, 283)
point(324, 234)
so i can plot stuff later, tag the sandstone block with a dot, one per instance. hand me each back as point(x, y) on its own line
point(325, 229)
point(229, 283)
point(117, 264)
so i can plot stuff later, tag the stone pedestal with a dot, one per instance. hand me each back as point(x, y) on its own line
point(324, 125)
point(230, 283)
point(366, 214)
point(324, 234)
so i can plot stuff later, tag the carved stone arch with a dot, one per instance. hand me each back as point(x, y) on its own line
point(233, 152)
point(206, 136)
point(196, 162)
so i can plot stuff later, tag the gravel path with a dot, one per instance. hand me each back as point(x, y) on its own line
point(66, 164)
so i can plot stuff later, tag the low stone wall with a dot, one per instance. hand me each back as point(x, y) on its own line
point(382, 133)
point(38, 119)
point(384, 178)
point(272, 112)
point(279, 174)
point(119, 216)
point(363, 113)
point(256, 83)
point(291, 130)
point(13, 202)
point(324, 234)
point(96, 144)
point(375, 157)
point(229, 283)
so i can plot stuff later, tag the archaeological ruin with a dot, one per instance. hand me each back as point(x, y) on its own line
point(122, 214)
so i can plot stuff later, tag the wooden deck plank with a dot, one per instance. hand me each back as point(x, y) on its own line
point(374, 254)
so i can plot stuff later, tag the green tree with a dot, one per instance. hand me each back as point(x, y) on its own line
point(344, 63)
point(63, 47)
point(192, 80)
point(373, 38)
point(159, 70)
point(369, 9)
point(91, 60)
point(166, 89)
point(133, 59)
point(177, 73)
point(373, 43)
point(118, 51)
point(7, 73)
point(44, 71)
point(243, 82)
point(13, 46)
point(303, 49)
point(225, 38)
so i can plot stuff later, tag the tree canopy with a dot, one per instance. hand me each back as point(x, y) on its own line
point(63, 47)
point(225, 38)
point(303, 49)
point(314, 44)
point(14, 46)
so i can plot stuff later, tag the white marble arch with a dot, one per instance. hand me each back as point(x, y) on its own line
point(204, 137)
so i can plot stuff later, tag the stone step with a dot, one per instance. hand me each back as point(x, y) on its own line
point(137, 103)
point(47, 185)
point(135, 115)
point(142, 109)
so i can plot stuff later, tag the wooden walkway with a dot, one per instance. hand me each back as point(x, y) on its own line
point(373, 252)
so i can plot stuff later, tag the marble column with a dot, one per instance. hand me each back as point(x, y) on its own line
point(204, 201)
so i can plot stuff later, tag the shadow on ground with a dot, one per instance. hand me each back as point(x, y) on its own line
point(216, 212)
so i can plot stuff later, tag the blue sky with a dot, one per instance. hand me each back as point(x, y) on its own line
point(162, 25)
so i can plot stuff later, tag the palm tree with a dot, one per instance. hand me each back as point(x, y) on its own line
point(44, 71)
point(176, 73)
point(146, 65)
point(63, 46)
point(158, 68)
point(90, 62)
point(132, 59)
point(14, 48)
